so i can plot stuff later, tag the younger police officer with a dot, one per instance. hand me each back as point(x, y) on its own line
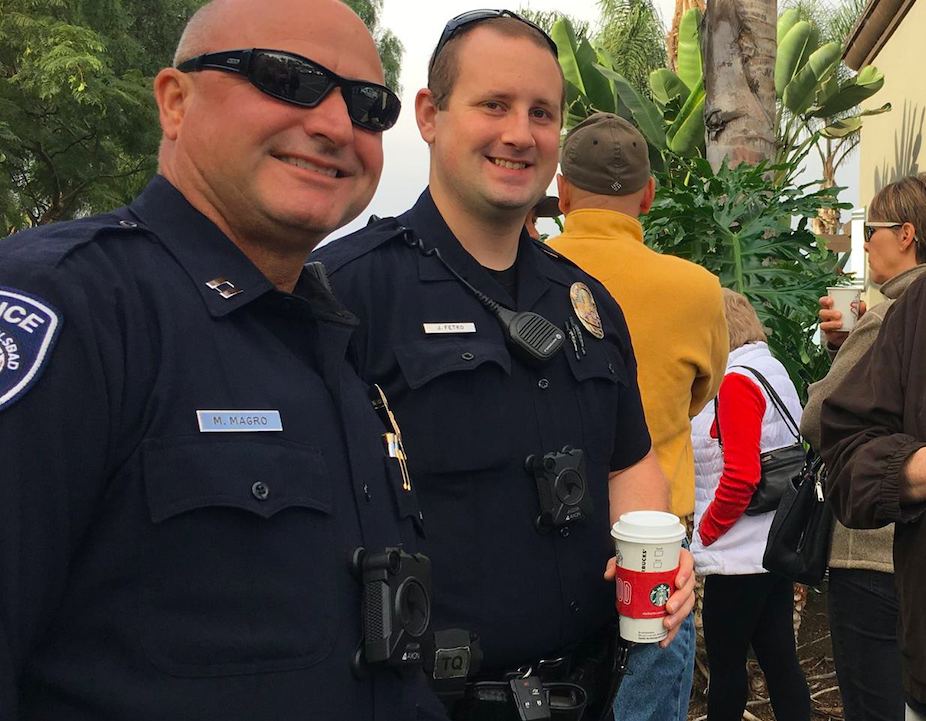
point(188, 460)
point(518, 558)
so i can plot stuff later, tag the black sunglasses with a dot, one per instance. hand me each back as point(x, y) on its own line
point(475, 16)
point(871, 227)
point(300, 81)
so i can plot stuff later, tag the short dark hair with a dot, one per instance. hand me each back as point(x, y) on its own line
point(442, 72)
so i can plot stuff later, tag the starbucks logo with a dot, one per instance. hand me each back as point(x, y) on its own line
point(659, 595)
point(619, 558)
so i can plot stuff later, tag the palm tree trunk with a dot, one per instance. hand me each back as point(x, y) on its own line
point(739, 45)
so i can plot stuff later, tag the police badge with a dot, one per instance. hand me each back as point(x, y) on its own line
point(583, 303)
point(28, 331)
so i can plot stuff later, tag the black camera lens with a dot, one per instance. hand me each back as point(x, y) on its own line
point(570, 487)
point(413, 606)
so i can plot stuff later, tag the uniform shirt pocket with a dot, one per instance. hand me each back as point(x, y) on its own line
point(458, 415)
point(601, 378)
point(239, 557)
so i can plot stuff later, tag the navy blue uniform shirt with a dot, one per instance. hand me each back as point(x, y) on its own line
point(471, 413)
point(161, 563)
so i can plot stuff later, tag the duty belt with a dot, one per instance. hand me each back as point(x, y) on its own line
point(573, 687)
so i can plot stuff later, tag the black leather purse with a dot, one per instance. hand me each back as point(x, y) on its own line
point(798, 545)
point(779, 466)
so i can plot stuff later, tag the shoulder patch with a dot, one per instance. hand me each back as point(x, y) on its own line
point(28, 330)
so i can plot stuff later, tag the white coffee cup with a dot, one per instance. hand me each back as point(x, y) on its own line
point(647, 545)
point(846, 299)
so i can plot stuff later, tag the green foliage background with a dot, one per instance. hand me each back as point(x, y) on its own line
point(78, 125)
point(78, 128)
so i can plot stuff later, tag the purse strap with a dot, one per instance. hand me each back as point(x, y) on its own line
point(793, 428)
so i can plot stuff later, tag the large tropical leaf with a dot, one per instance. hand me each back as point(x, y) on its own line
point(689, 48)
point(787, 20)
point(686, 135)
point(667, 87)
point(841, 128)
point(846, 126)
point(860, 88)
point(802, 90)
point(645, 113)
point(793, 52)
point(577, 59)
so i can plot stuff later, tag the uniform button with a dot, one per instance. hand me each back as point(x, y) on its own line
point(564, 531)
point(611, 367)
point(128, 224)
point(260, 490)
point(543, 383)
point(467, 356)
point(574, 607)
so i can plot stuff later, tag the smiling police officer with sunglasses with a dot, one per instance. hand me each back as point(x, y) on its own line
point(512, 375)
point(194, 484)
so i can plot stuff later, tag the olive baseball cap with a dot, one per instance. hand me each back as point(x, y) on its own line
point(605, 154)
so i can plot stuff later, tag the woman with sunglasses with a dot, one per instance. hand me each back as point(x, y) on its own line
point(862, 601)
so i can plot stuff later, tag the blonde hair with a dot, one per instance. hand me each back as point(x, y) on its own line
point(903, 201)
point(742, 322)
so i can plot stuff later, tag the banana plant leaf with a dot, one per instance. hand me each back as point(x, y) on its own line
point(788, 19)
point(689, 48)
point(841, 128)
point(644, 111)
point(846, 126)
point(577, 59)
point(686, 135)
point(869, 81)
point(802, 90)
point(793, 52)
point(667, 87)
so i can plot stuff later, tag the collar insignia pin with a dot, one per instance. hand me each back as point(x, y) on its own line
point(224, 288)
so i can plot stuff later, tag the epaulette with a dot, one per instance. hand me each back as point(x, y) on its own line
point(553, 254)
point(51, 244)
point(342, 251)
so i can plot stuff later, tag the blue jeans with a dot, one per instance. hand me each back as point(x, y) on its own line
point(863, 614)
point(657, 686)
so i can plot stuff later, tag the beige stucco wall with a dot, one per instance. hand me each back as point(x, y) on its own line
point(892, 145)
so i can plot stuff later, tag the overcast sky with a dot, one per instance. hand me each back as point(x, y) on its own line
point(418, 24)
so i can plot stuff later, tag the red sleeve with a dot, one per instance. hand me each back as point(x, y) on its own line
point(741, 407)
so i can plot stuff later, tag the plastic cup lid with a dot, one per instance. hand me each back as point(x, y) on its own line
point(648, 527)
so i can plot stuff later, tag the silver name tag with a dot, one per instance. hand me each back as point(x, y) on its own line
point(430, 328)
point(238, 421)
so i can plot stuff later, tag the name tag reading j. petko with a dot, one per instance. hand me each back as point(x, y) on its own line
point(238, 421)
point(430, 328)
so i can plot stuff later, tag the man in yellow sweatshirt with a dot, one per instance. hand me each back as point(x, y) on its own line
point(674, 310)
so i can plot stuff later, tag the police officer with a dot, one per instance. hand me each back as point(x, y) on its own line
point(494, 422)
point(188, 461)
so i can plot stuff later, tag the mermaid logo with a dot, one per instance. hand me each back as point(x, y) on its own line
point(659, 595)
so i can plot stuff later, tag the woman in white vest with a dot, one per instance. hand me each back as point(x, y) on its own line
point(743, 604)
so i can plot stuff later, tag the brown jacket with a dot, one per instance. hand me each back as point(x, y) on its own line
point(871, 425)
point(854, 548)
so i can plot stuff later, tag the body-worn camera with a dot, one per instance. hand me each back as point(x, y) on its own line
point(396, 606)
point(561, 487)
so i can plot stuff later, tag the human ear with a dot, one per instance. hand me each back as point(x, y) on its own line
point(426, 115)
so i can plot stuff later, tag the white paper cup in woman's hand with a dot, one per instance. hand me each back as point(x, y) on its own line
point(647, 545)
point(846, 299)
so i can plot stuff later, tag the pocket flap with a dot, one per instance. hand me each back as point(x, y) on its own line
point(597, 363)
point(261, 476)
point(425, 360)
